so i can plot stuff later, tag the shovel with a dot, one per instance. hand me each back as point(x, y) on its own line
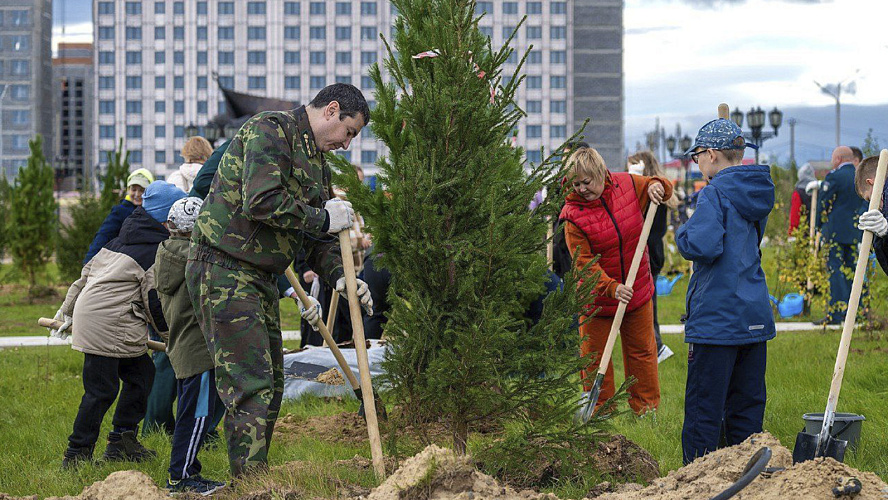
point(823, 444)
point(55, 324)
point(621, 311)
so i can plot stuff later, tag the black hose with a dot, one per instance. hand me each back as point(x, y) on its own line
point(753, 468)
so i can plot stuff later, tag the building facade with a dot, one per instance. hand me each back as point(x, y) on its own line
point(25, 80)
point(155, 63)
point(73, 93)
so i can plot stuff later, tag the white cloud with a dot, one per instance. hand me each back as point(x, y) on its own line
point(74, 33)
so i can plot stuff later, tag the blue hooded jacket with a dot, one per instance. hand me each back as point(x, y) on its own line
point(727, 302)
point(110, 228)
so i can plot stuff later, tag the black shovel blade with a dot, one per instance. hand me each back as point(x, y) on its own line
point(806, 448)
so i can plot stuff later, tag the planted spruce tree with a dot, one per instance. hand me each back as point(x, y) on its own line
point(450, 221)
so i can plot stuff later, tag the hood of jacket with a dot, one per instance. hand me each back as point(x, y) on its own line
point(140, 228)
point(749, 188)
point(172, 255)
point(190, 170)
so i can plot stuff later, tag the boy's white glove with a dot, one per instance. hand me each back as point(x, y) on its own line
point(812, 186)
point(363, 294)
point(62, 332)
point(312, 313)
point(340, 213)
point(873, 220)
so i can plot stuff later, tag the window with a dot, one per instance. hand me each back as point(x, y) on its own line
point(202, 82)
point(558, 57)
point(343, 58)
point(136, 156)
point(178, 7)
point(557, 32)
point(225, 33)
point(256, 57)
point(368, 8)
point(134, 82)
point(558, 8)
point(513, 58)
point(557, 82)
point(292, 57)
point(317, 32)
point(317, 57)
point(133, 131)
point(534, 32)
point(558, 107)
point(507, 31)
point(534, 8)
point(343, 32)
point(179, 57)
point(20, 18)
point(368, 157)
point(535, 57)
point(133, 57)
point(291, 32)
point(534, 106)
point(134, 107)
point(201, 107)
point(23, 92)
point(368, 33)
point(226, 81)
point(226, 8)
point(226, 57)
point(106, 82)
point(256, 8)
point(133, 33)
point(160, 82)
point(159, 156)
point(557, 131)
point(20, 43)
point(343, 79)
point(367, 83)
point(510, 8)
point(106, 32)
point(534, 82)
point(317, 82)
point(291, 82)
point(291, 8)
point(178, 32)
point(178, 82)
point(534, 156)
point(160, 106)
point(368, 57)
point(201, 32)
point(133, 8)
point(179, 107)
point(159, 57)
point(256, 33)
point(106, 131)
point(160, 32)
point(106, 107)
point(159, 7)
point(343, 9)
point(21, 117)
point(345, 154)
point(486, 31)
point(256, 82)
point(202, 57)
point(201, 8)
point(179, 131)
point(106, 57)
point(483, 8)
point(105, 8)
point(317, 8)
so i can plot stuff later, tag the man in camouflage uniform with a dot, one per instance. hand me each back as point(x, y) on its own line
point(270, 198)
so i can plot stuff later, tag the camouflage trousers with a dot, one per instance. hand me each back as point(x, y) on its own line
point(239, 315)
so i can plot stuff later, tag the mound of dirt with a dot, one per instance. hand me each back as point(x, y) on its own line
point(125, 484)
point(345, 427)
point(332, 377)
point(4, 496)
point(621, 458)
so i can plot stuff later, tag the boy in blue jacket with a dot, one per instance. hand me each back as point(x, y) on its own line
point(729, 318)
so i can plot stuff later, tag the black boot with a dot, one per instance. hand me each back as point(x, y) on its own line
point(125, 446)
point(74, 457)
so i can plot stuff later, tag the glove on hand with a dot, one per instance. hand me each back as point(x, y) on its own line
point(363, 294)
point(811, 186)
point(341, 215)
point(873, 220)
point(311, 313)
point(62, 332)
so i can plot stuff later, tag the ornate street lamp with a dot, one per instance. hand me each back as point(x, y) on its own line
point(776, 119)
point(230, 131)
point(737, 117)
point(211, 132)
point(686, 142)
point(191, 130)
point(670, 144)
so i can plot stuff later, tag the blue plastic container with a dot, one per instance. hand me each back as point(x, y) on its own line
point(665, 285)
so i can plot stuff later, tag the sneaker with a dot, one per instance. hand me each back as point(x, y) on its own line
point(194, 484)
point(126, 448)
point(74, 457)
point(664, 353)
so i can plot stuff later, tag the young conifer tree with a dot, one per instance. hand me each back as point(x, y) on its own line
point(114, 180)
point(451, 223)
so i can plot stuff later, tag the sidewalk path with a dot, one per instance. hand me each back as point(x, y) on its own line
point(37, 341)
point(781, 327)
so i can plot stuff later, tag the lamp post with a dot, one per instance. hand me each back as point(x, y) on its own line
point(755, 117)
point(683, 143)
point(230, 131)
point(211, 132)
point(191, 130)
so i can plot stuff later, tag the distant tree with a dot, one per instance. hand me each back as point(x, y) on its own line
point(5, 193)
point(74, 238)
point(31, 224)
point(114, 180)
point(870, 145)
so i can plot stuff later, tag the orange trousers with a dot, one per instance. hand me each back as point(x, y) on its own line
point(639, 357)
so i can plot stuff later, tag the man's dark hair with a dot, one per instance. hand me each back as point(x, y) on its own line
point(857, 153)
point(351, 100)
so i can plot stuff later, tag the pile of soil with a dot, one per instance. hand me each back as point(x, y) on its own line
point(621, 458)
point(332, 377)
point(121, 484)
point(345, 427)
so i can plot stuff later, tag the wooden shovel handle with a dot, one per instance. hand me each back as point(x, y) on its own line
point(331, 314)
point(724, 111)
point(630, 280)
point(55, 324)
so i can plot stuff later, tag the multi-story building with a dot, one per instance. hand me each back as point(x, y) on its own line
point(73, 94)
point(25, 80)
point(155, 62)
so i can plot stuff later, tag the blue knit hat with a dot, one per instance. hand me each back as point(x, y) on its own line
point(158, 199)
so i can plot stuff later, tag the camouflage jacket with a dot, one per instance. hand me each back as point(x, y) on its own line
point(266, 200)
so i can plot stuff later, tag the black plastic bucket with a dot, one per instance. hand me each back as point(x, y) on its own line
point(846, 426)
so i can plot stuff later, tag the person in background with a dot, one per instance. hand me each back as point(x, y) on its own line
point(136, 184)
point(857, 156)
point(801, 196)
point(875, 220)
point(196, 151)
point(644, 163)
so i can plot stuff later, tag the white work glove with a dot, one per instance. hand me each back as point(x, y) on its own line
point(873, 220)
point(341, 215)
point(312, 313)
point(62, 332)
point(812, 186)
point(363, 294)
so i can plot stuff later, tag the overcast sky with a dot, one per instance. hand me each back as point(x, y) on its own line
point(683, 57)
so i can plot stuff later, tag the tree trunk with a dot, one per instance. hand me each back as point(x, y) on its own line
point(460, 435)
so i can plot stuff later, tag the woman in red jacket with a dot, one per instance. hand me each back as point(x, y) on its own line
point(604, 214)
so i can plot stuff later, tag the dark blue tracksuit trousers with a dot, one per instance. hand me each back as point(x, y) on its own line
point(840, 256)
point(194, 412)
point(725, 395)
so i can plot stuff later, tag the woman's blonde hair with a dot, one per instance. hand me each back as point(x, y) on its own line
point(196, 150)
point(652, 169)
point(587, 162)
